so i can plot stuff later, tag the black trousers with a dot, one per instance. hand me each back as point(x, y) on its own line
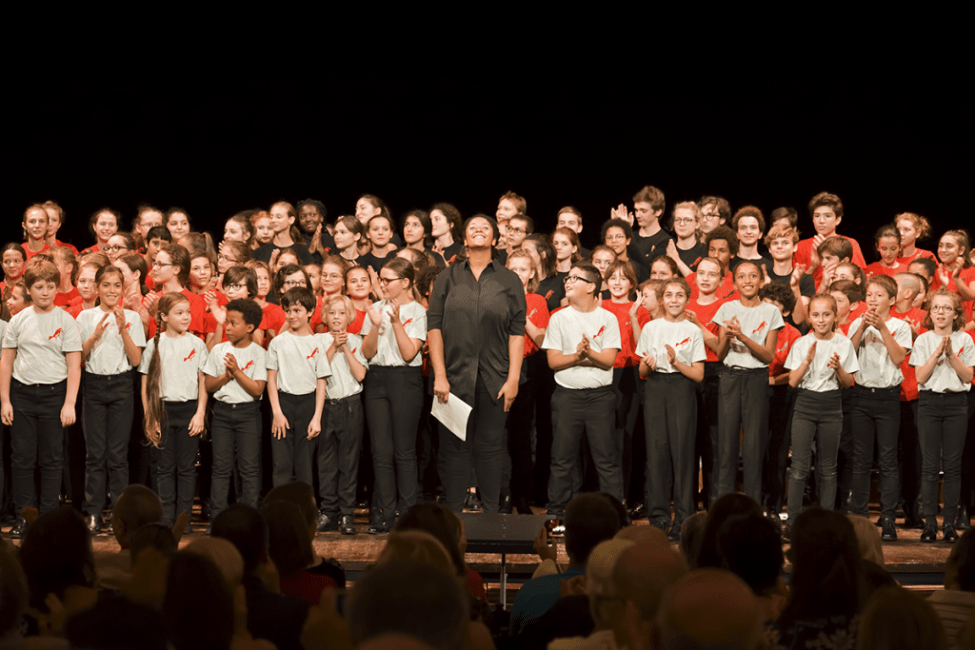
point(574, 412)
point(483, 450)
point(968, 460)
point(177, 460)
point(108, 406)
point(743, 405)
point(671, 399)
point(393, 398)
point(942, 421)
point(781, 401)
point(338, 454)
point(235, 431)
point(629, 386)
point(844, 458)
point(292, 454)
point(818, 416)
point(706, 444)
point(428, 447)
point(544, 387)
point(909, 452)
point(516, 462)
point(876, 415)
point(36, 440)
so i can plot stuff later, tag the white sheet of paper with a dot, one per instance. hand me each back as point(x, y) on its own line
point(453, 414)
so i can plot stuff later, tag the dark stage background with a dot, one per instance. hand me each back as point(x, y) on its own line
point(882, 119)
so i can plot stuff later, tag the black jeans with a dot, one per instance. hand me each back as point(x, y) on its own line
point(876, 414)
point(338, 454)
point(393, 398)
point(574, 411)
point(781, 402)
point(743, 404)
point(484, 446)
point(942, 419)
point(671, 401)
point(706, 445)
point(292, 454)
point(108, 406)
point(516, 467)
point(909, 451)
point(818, 416)
point(177, 460)
point(36, 440)
point(235, 430)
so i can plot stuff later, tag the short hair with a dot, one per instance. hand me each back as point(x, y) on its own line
point(156, 535)
point(616, 223)
point(13, 591)
point(669, 261)
point(688, 205)
point(785, 213)
point(748, 211)
point(657, 286)
point(569, 209)
point(245, 528)
point(724, 208)
point(850, 289)
point(591, 273)
point(680, 282)
point(778, 232)
point(299, 296)
point(894, 617)
point(529, 222)
point(346, 302)
point(751, 548)
point(836, 245)
point(723, 233)
point(159, 232)
point(289, 540)
point(521, 205)
point(299, 493)
point(911, 282)
point(929, 265)
point(888, 230)
point(886, 283)
point(624, 267)
point(589, 519)
point(318, 205)
point(40, 270)
point(56, 554)
point(250, 310)
point(653, 196)
point(826, 199)
point(284, 272)
point(921, 224)
point(962, 556)
point(138, 506)
point(959, 321)
point(779, 292)
point(242, 275)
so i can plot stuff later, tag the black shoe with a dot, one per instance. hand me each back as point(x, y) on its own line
point(326, 523)
point(673, 535)
point(663, 523)
point(506, 505)
point(521, 505)
point(347, 525)
point(472, 503)
point(189, 529)
point(94, 524)
point(888, 532)
point(379, 528)
point(929, 535)
point(774, 517)
point(639, 511)
point(963, 521)
point(913, 521)
point(950, 535)
point(19, 528)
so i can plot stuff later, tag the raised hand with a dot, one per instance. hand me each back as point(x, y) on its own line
point(393, 311)
point(230, 363)
point(340, 339)
point(151, 302)
point(733, 327)
point(834, 361)
point(671, 354)
point(672, 251)
point(373, 314)
point(99, 329)
point(119, 318)
point(811, 355)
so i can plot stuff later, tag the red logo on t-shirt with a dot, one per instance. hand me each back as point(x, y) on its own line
point(548, 294)
point(408, 321)
point(533, 313)
point(249, 364)
point(601, 329)
point(687, 340)
point(353, 350)
point(313, 353)
point(759, 328)
point(190, 355)
point(128, 326)
point(55, 335)
point(960, 350)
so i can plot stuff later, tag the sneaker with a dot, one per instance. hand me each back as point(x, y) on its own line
point(673, 535)
point(325, 523)
point(347, 525)
point(94, 524)
point(472, 503)
point(379, 528)
point(887, 531)
point(19, 528)
point(950, 535)
point(929, 535)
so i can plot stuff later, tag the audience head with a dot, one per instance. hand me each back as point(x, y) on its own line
point(600, 587)
point(960, 566)
point(641, 576)
point(289, 544)
point(13, 592)
point(589, 519)
point(416, 546)
point(245, 528)
point(439, 522)
point(117, 623)
point(302, 495)
point(691, 533)
point(709, 608)
point(56, 554)
point(895, 619)
point(224, 556)
point(408, 598)
point(868, 539)
point(751, 548)
point(136, 507)
point(157, 536)
point(728, 506)
point(198, 607)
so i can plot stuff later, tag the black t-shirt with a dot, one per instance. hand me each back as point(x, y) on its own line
point(764, 259)
point(264, 252)
point(807, 286)
point(650, 247)
point(452, 251)
point(693, 255)
point(552, 289)
point(375, 263)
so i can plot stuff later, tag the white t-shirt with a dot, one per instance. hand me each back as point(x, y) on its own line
point(108, 357)
point(414, 318)
point(820, 377)
point(683, 336)
point(876, 368)
point(251, 360)
point(756, 322)
point(41, 341)
point(944, 379)
point(299, 360)
point(183, 358)
point(565, 332)
point(341, 383)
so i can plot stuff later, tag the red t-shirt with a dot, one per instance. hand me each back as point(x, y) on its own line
point(198, 313)
point(804, 251)
point(29, 253)
point(306, 585)
point(273, 320)
point(75, 307)
point(787, 337)
point(64, 299)
point(356, 326)
point(967, 276)
point(705, 314)
point(725, 291)
point(627, 356)
point(92, 249)
point(316, 317)
point(878, 268)
point(62, 244)
point(917, 253)
point(538, 315)
point(909, 389)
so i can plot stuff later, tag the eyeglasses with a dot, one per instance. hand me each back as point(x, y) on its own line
point(233, 287)
point(681, 222)
point(710, 215)
point(947, 309)
point(160, 265)
point(293, 283)
point(224, 258)
point(569, 279)
point(114, 248)
point(517, 231)
point(385, 281)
